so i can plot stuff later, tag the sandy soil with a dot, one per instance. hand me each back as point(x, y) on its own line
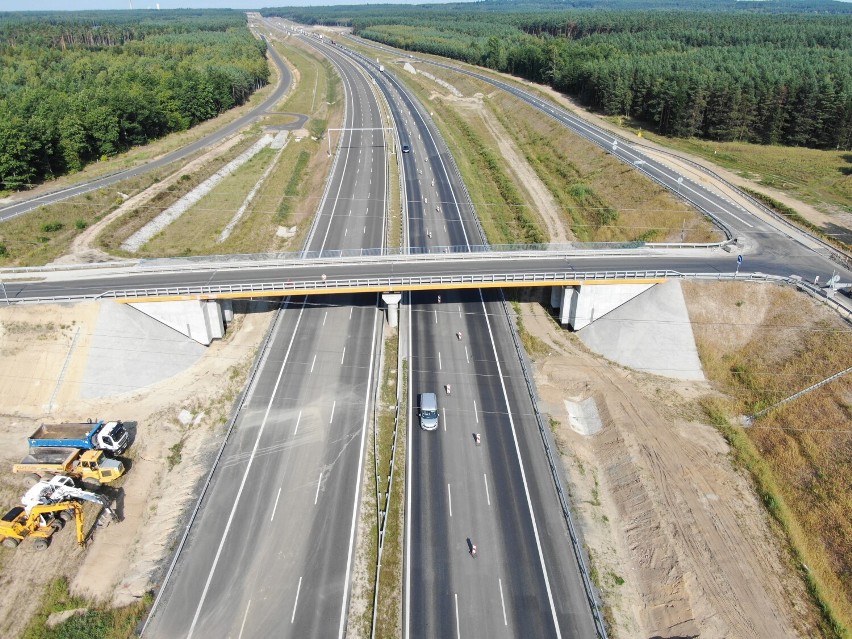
point(661, 506)
point(118, 563)
point(545, 204)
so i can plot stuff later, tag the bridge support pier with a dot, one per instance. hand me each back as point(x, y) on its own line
point(200, 320)
point(392, 301)
point(581, 305)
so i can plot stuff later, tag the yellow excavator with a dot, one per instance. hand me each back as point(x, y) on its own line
point(40, 523)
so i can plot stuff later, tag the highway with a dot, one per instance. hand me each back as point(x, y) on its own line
point(270, 551)
point(26, 203)
point(498, 495)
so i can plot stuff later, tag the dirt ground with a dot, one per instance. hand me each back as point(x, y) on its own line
point(43, 354)
point(677, 536)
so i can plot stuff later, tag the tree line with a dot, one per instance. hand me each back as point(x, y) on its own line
point(765, 77)
point(79, 87)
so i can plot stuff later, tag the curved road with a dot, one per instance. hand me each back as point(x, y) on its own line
point(28, 204)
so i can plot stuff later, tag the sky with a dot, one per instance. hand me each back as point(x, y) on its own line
point(78, 5)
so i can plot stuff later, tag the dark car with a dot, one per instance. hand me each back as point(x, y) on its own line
point(406, 148)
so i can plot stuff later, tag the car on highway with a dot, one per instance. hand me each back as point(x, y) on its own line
point(406, 148)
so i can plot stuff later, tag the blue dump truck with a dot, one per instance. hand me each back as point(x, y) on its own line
point(91, 435)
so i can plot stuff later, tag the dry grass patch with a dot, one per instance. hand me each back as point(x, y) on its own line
point(821, 178)
point(119, 230)
point(760, 346)
point(40, 236)
point(197, 231)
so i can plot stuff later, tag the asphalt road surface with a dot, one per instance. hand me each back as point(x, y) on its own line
point(271, 550)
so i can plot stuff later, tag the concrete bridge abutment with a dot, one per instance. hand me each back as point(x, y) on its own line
point(582, 304)
point(200, 320)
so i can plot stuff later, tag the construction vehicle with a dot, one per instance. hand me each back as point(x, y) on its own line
point(92, 467)
point(40, 523)
point(61, 488)
point(99, 435)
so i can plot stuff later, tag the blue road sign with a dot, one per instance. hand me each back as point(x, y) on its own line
point(739, 259)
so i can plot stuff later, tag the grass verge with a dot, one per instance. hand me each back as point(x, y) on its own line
point(798, 455)
point(97, 620)
point(817, 177)
point(388, 615)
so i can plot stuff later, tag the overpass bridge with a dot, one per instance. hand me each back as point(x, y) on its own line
point(195, 295)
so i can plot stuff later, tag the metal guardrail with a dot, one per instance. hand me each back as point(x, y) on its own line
point(591, 594)
point(391, 283)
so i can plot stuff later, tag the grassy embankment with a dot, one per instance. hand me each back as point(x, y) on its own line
point(822, 179)
point(40, 236)
point(799, 455)
point(300, 167)
point(577, 174)
point(96, 621)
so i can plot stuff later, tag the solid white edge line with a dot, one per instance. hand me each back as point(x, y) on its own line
point(333, 404)
point(458, 629)
point(296, 602)
point(450, 499)
point(343, 355)
point(275, 507)
point(487, 494)
point(245, 616)
point(319, 483)
point(502, 602)
point(440, 367)
point(298, 420)
point(245, 476)
point(357, 486)
point(466, 354)
point(475, 412)
point(445, 418)
point(313, 362)
point(521, 465)
point(409, 481)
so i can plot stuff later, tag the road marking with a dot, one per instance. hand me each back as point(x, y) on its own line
point(275, 507)
point(475, 412)
point(333, 404)
point(450, 499)
point(502, 602)
point(345, 601)
point(439, 361)
point(458, 631)
point(365, 229)
point(245, 616)
point(351, 308)
point(445, 418)
point(343, 355)
point(751, 226)
point(324, 317)
point(319, 483)
point(313, 362)
point(466, 354)
point(296, 603)
point(436, 315)
point(245, 477)
point(345, 232)
point(523, 474)
point(487, 494)
point(298, 419)
point(460, 312)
